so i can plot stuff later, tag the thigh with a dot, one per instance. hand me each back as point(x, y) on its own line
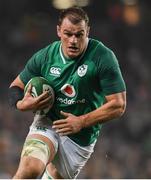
point(71, 157)
point(29, 168)
point(34, 157)
point(41, 143)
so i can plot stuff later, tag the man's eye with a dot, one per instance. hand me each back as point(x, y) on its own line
point(68, 34)
point(79, 35)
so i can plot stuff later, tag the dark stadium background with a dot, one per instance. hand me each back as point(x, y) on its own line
point(124, 147)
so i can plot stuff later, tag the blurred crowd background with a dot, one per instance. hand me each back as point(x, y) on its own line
point(124, 147)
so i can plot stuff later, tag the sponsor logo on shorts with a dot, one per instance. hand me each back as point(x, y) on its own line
point(41, 128)
point(55, 71)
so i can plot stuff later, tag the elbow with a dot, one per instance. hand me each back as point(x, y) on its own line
point(121, 111)
point(121, 107)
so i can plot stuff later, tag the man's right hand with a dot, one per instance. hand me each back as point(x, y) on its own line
point(34, 103)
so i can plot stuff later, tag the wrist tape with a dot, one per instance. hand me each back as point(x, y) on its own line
point(15, 94)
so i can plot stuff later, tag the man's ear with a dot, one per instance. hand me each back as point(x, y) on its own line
point(58, 31)
point(88, 30)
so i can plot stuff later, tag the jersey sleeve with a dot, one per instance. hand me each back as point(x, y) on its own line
point(34, 66)
point(110, 75)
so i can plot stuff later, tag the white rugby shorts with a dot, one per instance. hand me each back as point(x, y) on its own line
point(70, 157)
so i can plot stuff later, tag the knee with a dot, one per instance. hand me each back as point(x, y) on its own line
point(29, 168)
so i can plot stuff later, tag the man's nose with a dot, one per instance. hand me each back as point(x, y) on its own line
point(73, 39)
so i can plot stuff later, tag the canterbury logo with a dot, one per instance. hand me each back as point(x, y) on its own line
point(55, 71)
point(68, 90)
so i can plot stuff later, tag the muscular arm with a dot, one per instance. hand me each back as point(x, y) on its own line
point(113, 108)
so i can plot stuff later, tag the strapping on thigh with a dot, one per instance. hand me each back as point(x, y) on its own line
point(37, 149)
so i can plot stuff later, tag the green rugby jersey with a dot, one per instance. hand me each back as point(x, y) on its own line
point(80, 84)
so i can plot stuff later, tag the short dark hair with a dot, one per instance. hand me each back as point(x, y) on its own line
point(75, 15)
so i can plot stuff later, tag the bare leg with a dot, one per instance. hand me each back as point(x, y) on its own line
point(37, 152)
point(51, 172)
point(29, 167)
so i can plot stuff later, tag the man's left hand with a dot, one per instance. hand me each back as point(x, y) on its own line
point(69, 125)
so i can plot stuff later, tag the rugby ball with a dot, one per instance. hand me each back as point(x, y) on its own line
point(40, 85)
